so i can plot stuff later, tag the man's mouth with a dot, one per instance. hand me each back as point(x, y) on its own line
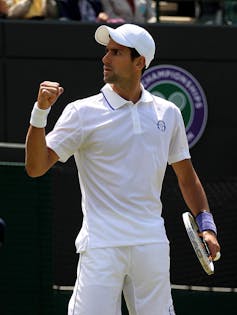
point(107, 69)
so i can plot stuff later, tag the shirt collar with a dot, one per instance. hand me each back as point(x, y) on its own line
point(115, 101)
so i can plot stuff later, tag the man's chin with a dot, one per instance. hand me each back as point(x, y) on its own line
point(108, 80)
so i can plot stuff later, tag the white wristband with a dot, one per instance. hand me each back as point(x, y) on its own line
point(39, 116)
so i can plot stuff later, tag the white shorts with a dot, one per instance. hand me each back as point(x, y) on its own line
point(141, 272)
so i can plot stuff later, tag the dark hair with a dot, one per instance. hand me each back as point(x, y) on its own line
point(135, 54)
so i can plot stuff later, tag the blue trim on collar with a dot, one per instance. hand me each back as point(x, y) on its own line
point(107, 100)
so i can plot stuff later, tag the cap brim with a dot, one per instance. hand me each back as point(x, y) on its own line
point(104, 33)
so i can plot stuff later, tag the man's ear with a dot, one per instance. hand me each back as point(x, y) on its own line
point(140, 62)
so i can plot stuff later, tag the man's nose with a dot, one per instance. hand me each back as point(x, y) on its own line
point(106, 57)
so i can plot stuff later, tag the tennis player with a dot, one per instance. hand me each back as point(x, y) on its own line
point(122, 139)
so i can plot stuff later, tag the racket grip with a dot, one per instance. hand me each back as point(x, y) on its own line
point(206, 247)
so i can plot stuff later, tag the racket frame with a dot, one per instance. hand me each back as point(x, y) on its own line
point(199, 245)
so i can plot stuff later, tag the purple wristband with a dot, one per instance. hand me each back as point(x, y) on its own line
point(205, 222)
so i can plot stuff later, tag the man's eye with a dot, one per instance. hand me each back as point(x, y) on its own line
point(116, 52)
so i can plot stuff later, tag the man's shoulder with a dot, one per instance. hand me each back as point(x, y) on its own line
point(163, 103)
point(89, 101)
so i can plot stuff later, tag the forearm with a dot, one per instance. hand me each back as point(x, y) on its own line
point(191, 187)
point(36, 152)
point(194, 196)
point(38, 157)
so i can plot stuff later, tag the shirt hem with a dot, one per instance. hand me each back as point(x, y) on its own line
point(108, 245)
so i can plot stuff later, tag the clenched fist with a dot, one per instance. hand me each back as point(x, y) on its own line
point(48, 94)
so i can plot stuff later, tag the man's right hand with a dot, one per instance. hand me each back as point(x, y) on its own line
point(48, 94)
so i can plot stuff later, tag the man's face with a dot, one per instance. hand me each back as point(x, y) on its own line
point(118, 64)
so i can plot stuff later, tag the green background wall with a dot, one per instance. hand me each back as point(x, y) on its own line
point(26, 259)
point(43, 215)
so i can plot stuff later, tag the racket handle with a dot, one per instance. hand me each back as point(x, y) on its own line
point(205, 246)
point(218, 256)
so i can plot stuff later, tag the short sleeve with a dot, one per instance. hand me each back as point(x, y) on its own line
point(179, 149)
point(67, 135)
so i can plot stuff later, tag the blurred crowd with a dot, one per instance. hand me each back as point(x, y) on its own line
point(118, 11)
point(109, 11)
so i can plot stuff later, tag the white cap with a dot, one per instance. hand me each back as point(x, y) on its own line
point(129, 35)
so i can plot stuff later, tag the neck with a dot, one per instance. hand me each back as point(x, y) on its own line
point(130, 93)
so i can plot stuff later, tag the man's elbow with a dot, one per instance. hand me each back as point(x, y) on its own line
point(36, 167)
point(33, 171)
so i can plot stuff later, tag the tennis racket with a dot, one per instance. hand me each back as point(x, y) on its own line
point(199, 245)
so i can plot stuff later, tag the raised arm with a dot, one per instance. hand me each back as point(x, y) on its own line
point(38, 157)
point(195, 198)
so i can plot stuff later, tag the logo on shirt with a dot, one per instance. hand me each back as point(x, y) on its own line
point(161, 125)
point(180, 87)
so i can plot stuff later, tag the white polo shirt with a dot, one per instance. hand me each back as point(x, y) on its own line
point(121, 151)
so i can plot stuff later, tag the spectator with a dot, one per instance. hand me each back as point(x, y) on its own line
point(69, 10)
point(132, 11)
point(90, 10)
point(31, 9)
point(3, 8)
point(230, 12)
point(187, 8)
point(211, 12)
point(81, 10)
